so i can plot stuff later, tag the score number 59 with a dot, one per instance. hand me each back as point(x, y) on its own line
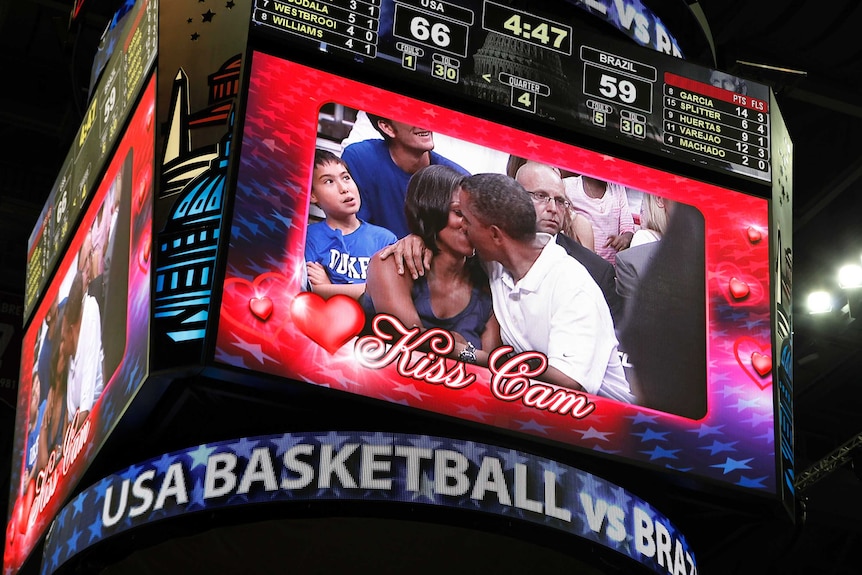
point(626, 90)
point(614, 88)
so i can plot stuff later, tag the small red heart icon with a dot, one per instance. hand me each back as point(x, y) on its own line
point(754, 235)
point(145, 252)
point(329, 323)
point(762, 364)
point(143, 190)
point(754, 359)
point(239, 315)
point(261, 307)
point(22, 516)
point(738, 288)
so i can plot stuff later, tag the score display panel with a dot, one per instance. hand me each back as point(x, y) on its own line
point(709, 341)
point(525, 58)
point(109, 106)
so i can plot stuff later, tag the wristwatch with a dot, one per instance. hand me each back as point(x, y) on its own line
point(468, 354)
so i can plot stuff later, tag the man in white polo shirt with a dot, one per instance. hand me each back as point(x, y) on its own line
point(543, 299)
point(82, 342)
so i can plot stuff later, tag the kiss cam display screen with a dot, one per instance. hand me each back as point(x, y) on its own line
point(669, 365)
point(85, 351)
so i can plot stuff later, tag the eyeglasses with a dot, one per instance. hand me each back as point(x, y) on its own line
point(544, 198)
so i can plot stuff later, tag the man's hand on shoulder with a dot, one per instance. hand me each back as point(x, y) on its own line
point(409, 251)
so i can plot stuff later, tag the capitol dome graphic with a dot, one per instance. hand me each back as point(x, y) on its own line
point(504, 55)
point(187, 250)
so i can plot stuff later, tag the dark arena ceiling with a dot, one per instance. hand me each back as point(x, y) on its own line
point(808, 52)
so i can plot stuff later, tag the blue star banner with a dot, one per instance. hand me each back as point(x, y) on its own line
point(370, 466)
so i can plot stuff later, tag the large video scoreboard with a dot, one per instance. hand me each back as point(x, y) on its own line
point(706, 338)
point(208, 168)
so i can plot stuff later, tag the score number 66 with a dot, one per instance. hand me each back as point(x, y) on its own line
point(613, 88)
point(423, 30)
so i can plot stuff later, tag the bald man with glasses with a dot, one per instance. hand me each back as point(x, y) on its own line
point(548, 192)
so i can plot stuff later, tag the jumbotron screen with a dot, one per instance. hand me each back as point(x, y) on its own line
point(85, 351)
point(669, 366)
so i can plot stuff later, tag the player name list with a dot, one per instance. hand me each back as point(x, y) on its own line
point(716, 123)
point(351, 25)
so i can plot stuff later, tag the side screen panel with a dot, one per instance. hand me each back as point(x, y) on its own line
point(84, 354)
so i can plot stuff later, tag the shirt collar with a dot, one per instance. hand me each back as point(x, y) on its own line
point(540, 268)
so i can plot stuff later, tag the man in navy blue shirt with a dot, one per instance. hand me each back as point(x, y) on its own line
point(382, 168)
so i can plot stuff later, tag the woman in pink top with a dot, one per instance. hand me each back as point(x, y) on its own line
point(606, 205)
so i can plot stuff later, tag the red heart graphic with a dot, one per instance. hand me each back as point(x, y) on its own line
point(755, 361)
point(261, 307)
point(142, 190)
point(762, 364)
point(22, 516)
point(14, 525)
point(145, 251)
point(738, 288)
point(13, 547)
point(238, 315)
point(754, 234)
point(329, 323)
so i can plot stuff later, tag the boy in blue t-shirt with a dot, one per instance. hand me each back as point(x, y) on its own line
point(34, 427)
point(337, 249)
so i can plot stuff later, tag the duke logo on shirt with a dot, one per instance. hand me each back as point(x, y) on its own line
point(343, 263)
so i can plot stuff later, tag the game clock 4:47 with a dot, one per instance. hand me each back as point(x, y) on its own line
point(527, 27)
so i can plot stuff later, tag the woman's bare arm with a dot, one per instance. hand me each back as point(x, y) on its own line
point(391, 291)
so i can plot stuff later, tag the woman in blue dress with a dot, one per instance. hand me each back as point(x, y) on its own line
point(453, 294)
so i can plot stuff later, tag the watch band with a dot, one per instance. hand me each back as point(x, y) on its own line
point(468, 354)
